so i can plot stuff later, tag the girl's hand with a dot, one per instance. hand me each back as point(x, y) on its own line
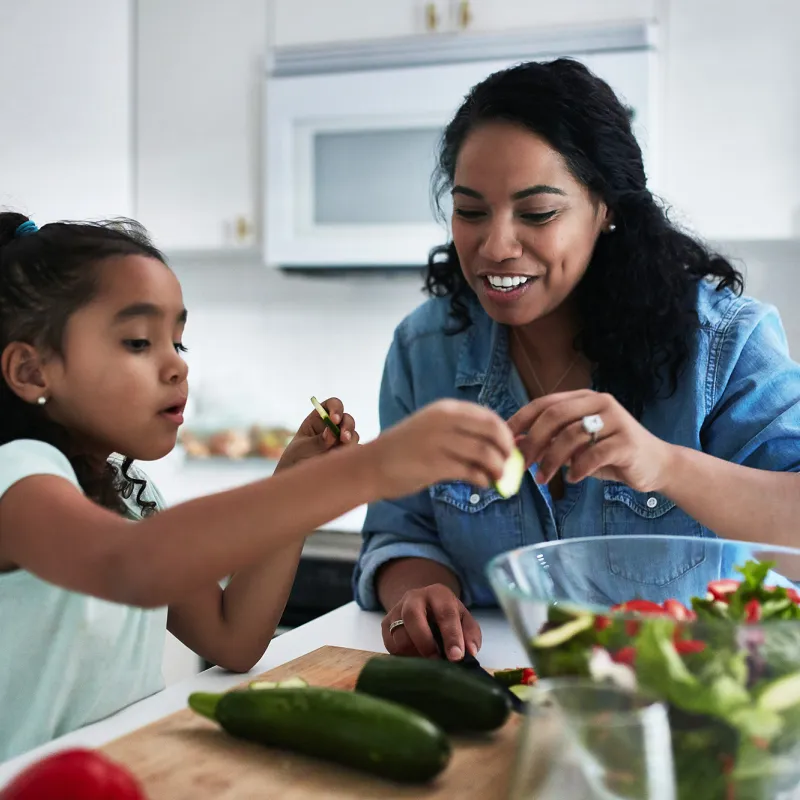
point(449, 440)
point(314, 437)
point(550, 433)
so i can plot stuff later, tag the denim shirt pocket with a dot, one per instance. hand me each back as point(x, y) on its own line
point(475, 524)
point(630, 513)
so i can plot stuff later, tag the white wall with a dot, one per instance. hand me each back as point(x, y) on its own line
point(261, 342)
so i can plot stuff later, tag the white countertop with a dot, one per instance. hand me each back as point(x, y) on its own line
point(348, 626)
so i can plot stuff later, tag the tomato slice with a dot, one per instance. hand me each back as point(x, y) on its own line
point(640, 606)
point(752, 610)
point(722, 588)
point(690, 646)
point(625, 655)
point(678, 610)
point(792, 594)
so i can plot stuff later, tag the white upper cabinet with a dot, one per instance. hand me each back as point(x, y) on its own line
point(319, 21)
point(65, 135)
point(199, 89)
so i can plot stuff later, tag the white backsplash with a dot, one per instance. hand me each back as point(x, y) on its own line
point(261, 342)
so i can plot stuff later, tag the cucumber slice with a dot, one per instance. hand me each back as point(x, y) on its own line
point(329, 423)
point(523, 692)
point(289, 683)
point(782, 693)
point(563, 633)
point(511, 479)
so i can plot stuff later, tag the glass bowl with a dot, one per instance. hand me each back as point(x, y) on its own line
point(710, 627)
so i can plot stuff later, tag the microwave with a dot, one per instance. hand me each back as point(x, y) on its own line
point(351, 138)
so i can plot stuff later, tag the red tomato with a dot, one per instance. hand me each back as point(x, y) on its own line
point(625, 655)
point(678, 610)
point(690, 646)
point(75, 774)
point(752, 610)
point(722, 588)
point(792, 594)
point(639, 606)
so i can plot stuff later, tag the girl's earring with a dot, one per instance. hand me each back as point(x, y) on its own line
point(41, 401)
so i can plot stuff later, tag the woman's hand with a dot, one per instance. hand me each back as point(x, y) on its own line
point(550, 433)
point(414, 638)
point(314, 437)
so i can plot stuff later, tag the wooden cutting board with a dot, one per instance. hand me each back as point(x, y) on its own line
point(186, 757)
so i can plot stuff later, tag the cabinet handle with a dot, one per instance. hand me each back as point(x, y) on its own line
point(464, 14)
point(431, 16)
point(243, 229)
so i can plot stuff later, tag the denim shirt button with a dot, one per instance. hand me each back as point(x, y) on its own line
point(474, 499)
point(652, 502)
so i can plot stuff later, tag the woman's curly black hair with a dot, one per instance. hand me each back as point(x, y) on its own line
point(46, 277)
point(637, 300)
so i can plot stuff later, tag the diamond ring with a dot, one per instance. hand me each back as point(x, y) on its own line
point(593, 424)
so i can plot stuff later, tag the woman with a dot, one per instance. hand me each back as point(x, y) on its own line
point(649, 396)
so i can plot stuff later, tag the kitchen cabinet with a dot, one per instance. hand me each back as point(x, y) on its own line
point(516, 15)
point(199, 87)
point(730, 124)
point(326, 21)
point(323, 21)
point(65, 137)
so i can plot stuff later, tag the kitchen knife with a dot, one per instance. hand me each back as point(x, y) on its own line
point(470, 663)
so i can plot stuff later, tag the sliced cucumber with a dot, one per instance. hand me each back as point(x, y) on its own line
point(523, 691)
point(511, 479)
point(563, 633)
point(289, 683)
point(329, 423)
point(782, 693)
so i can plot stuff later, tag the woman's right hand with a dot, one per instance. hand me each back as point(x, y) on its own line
point(449, 440)
point(414, 638)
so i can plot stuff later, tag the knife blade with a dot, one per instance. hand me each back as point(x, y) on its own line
point(471, 664)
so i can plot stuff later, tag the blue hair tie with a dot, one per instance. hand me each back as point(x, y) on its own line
point(26, 228)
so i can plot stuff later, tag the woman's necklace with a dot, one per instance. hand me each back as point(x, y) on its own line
point(533, 371)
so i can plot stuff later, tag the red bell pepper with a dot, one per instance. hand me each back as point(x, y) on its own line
point(752, 611)
point(75, 774)
point(722, 588)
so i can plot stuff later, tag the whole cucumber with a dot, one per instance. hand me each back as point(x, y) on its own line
point(445, 693)
point(352, 729)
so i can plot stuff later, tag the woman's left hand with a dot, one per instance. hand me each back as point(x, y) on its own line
point(550, 433)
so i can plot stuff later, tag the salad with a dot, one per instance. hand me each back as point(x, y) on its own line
point(726, 668)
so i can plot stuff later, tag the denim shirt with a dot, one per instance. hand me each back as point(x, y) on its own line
point(738, 399)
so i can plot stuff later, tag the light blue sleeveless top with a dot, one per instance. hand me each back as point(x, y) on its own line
point(67, 659)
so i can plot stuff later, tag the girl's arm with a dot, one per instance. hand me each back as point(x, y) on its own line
point(50, 529)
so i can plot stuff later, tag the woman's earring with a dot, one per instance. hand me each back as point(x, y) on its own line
point(41, 401)
point(612, 227)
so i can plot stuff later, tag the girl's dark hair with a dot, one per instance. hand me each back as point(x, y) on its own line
point(637, 300)
point(45, 277)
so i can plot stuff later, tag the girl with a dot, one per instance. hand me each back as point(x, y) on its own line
point(91, 327)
